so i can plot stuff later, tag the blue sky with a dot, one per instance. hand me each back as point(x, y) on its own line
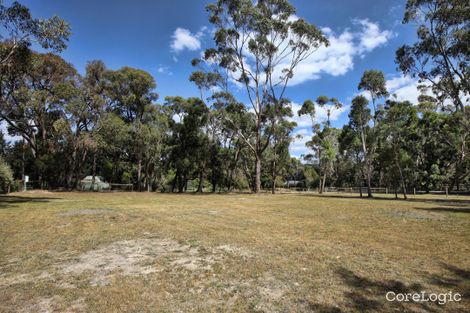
point(162, 37)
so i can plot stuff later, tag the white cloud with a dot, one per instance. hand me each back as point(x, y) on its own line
point(184, 39)
point(297, 146)
point(403, 88)
point(338, 58)
point(161, 69)
point(371, 36)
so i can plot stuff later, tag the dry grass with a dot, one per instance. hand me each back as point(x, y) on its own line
point(131, 252)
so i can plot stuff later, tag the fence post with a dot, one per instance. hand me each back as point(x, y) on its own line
point(447, 192)
point(414, 191)
point(386, 190)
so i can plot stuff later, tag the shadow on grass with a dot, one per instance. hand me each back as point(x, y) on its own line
point(450, 202)
point(449, 210)
point(369, 295)
point(9, 201)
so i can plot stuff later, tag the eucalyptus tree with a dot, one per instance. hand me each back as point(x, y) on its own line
point(35, 102)
point(351, 158)
point(131, 94)
point(258, 46)
point(21, 30)
point(399, 132)
point(281, 137)
point(330, 105)
point(324, 140)
point(373, 82)
point(440, 57)
point(238, 129)
point(188, 143)
point(359, 118)
point(79, 126)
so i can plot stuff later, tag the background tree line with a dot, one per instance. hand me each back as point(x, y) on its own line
point(110, 123)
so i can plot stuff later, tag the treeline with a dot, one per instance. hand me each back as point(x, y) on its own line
point(110, 123)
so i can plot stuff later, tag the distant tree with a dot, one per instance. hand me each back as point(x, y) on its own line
point(324, 141)
point(399, 134)
point(329, 104)
point(259, 45)
point(359, 118)
point(131, 95)
point(238, 128)
point(351, 158)
point(188, 143)
point(373, 82)
point(278, 153)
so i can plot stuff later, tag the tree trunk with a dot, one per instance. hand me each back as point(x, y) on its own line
point(273, 178)
point(323, 183)
point(257, 173)
point(320, 186)
point(369, 190)
point(201, 176)
point(139, 174)
point(94, 172)
point(214, 185)
point(175, 181)
point(368, 163)
point(232, 170)
point(402, 179)
point(22, 162)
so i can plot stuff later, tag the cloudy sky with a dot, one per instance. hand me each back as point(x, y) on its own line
point(162, 37)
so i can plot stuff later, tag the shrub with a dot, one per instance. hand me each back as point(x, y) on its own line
point(6, 176)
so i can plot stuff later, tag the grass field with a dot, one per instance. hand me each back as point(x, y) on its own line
point(140, 252)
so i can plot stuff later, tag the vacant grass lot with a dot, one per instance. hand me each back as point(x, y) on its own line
point(139, 252)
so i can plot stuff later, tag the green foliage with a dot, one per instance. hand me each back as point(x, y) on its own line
point(254, 41)
point(440, 56)
point(108, 122)
point(6, 176)
point(22, 30)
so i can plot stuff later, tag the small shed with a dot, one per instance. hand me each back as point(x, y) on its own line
point(86, 184)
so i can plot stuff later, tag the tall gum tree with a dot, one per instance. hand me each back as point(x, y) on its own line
point(373, 83)
point(359, 118)
point(323, 141)
point(258, 46)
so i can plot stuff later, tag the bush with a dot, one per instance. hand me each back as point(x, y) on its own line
point(6, 176)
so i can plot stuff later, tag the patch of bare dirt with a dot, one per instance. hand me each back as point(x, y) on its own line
point(236, 250)
point(49, 305)
point(418, 215)
point(140, 257)
point(9, 280)
point(42, 305)
point(87, 212)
